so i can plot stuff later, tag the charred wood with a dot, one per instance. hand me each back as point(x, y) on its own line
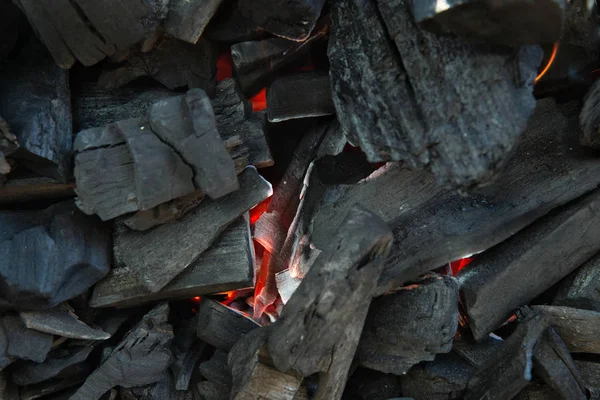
point(577, 328)
point(187, 20)
point(63, 322)
point(590, 374)
point(59, 360)
point(54, 386)
point(514, 23)
point(537, 391)
point(140, 359)
point(216, 369)
point(221, 326)
point(24, 343)
point(35, 102)
point(565, 238)
point(50, 255)
point(589, 119)
point(164, 389)
point(8, 145)
point(18, 191)
point(582, 288)
point(410, 325)
point(207, 390)
point(230, 26)
point(476, 353)
point(302, 95)
point(409, 102)
point(187, 350)
point(366, 384)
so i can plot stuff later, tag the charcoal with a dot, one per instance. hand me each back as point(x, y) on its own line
point(5, 358)
point(251, 55)
point(51, 255)
point(187, 20)
point(172, 62)
point(164, 389)
point(8, 145)
point(229, 26)
point(410, 325)
point(187, 350)
point(582, 288)
point(590, 374)
point(35, 102)
point(476, 353)
point(514, 23)
point(445, 378)
point(61, 322)
point(589, 119)
point(301, 95)
point(7, 389)
point(140, 359)
point(366, 384)
point(28, 373)
point(226, 265)
point(577, 328)
point(537, 391)
point(209, 390)
point(566, 237)
point(216, 369)
point(221, 326)
point(111, 320)
point(24, 343)
point(401, 112)
point(53, 386)
point(15, 192)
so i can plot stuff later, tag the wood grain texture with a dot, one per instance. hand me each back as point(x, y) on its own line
point(577, 328)
point(187, 20)
point(582, 288)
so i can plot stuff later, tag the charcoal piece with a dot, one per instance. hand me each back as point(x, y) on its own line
point(187, 350)
point(25, 343)
point(590, 374)
point(164, 389)
point(505, 375)
point(552, 361)
point(28, 373)
point(336, 290)
point(589, 119)
point(445, 378)
point(50, 255)
point(140, 359)
point(476, 353)
point(537, 391)
point(513, 23)
point(7, 389)
point(157, 256)
point(286, 284)
point(5, 359)
point(172, 62)
point(373, 385)
point(229, 26)
point(577, 328)
point(111, 320)
point(187, 123)
point(566, 237)
point(410, 325)
point(216, 369)
point(290, 19)
point(226, 265)
point(209, 390)
point(35, 102)
point(582, 288)
point(221, 326)
point(159, 173)
point(254, 376)
point(256, 63)
point(426, 81)
point(61, 322)
point(16, 192)
point(188, 19)
point(52, 386)
point(302, 95)
point(8, 145)
point(94, 106)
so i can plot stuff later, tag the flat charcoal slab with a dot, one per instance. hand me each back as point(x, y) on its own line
point(188, 19)
point(436, 102)
point(582, 288)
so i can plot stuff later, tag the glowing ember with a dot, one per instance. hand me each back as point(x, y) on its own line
point(259, 101)
point(460, 264)
point(258, 210)
point(224, 65)
point(196, 299)
point(550, 61)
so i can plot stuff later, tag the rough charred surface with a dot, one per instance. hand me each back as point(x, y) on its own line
point(8, 145)
point(564, 238)
point(582, 288)
point(187, 350)
point(226, 265)
point(16, 192)
point(8, 390)
point(187, 20)
point(590, 374)
point(55, 386)
point(290, 19)
point(509, 372)
point(302, 95)
point(373, 385)
point(476, 353)
point(172, 62)
point(36, 103)
point(187, 123)
point(332, 299)
point(251, 55)
point(29, 372)
point(23, 343)
point(424, 107)
point(164, 389)
point(445, 378)
point(589, 119)
point(410, 325)
point(140, 359)
point(577, 328)
point(229, 26)
point(537, 391)
point(216, 369)
point(61, 321)
point(220, 325)
point(50, 255)
point(209, 390)
point(254, 376)
point(512, 23)
point(553, 363)
point(157, 256)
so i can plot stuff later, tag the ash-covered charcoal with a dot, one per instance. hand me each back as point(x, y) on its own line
point(50, 255)
point(24, 343)
point(433, 102)
point(366, 384)
point(172, 62)
point(140, 359)
point(35, 102)
point(63, 322)
point(510, 23)
point(581, 289)
point(565, 238)
point(302, 95)
point(187, 19)
point(221, 326)
point(444, 378)
point(410, 325)
point(57, 361)
point(290, 19)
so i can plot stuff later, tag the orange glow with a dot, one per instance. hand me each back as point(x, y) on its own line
point(258, 210)
point(550, 61)
point(259, 101)
point(229, 297)
point(224, 65)
point(460, 264)
point(196, 299)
